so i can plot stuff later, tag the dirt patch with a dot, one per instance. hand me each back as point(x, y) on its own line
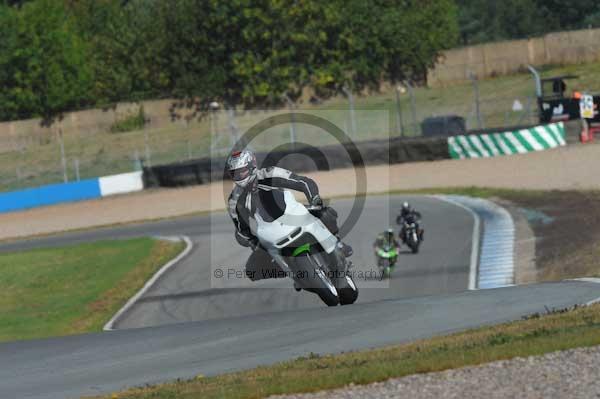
point(567, 229)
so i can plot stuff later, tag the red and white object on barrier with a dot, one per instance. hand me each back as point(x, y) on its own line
point(589, 131)
point(588, 111)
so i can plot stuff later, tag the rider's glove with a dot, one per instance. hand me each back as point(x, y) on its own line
point(316, 201)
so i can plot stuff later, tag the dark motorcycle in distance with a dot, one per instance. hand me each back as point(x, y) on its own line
point(412, 234)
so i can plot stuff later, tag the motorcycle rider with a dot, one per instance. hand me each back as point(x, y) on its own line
point(259, 191)
point(408, 215)
point(385, 240)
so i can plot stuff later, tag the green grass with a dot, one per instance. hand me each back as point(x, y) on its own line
point(74, 289)
point(535, 336)
point(38, 162)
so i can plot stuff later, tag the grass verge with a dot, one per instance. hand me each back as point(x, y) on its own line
point(534, 336)
point(74, 289)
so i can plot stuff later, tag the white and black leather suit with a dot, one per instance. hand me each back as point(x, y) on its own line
point(265, 196)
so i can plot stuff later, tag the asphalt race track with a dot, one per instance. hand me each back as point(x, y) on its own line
point(68, 367)
point(189, 292)
point(230, 326)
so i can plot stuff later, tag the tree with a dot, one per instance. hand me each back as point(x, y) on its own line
point(374, 40)
point(488, 20)
point(15, 3)
point(414, 34)
point(43, 62)
point(10, 98)
point(569, 14)
point(73, 53)
point(126, 48)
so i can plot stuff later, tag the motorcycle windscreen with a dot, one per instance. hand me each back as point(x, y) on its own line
point(271, 204)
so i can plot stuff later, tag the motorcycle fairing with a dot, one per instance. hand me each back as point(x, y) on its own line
point(294, 223)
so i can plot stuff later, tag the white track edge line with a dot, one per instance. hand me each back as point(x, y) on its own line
point(475, 241)
point(592, 302)
point(594, 280)
point(188, 248)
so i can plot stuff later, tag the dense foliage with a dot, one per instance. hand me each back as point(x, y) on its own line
point(43, 65)
point(488, 20)
point(59, 55)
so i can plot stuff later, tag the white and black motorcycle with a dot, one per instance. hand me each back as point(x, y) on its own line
point(306, 251)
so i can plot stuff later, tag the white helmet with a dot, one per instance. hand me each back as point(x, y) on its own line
point(241, 166)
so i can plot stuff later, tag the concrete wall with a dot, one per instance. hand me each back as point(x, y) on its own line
point(501, 58)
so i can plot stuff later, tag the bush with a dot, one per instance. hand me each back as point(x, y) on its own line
point(130, 123)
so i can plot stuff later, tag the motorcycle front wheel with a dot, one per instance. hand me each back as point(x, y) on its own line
point(312, 278)
point(385, 267)
point(347, 290)
point(414, 247)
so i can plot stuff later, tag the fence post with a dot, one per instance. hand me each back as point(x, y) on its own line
point(213, 132)
point(233, 128)
point(214, 107)
point(291, 105)
point(413, 108)
point(147, 146)
point(76, 166)
point(63, 158)
point(399, 122)
point(348, 93)
point(137, 163)
point(476, 92)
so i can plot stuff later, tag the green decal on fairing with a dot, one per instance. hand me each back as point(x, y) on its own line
point(301, 249)
point(389, 254)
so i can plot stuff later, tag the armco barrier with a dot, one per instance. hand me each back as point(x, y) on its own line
point(70, 192)
point(303, 159)
point(521, 141)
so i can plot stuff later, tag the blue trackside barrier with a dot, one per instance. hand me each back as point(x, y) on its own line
point(49, 195)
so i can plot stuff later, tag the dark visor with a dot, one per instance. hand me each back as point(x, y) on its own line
point(240, 173)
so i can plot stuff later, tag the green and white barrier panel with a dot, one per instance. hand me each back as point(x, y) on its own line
point(522, 141)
